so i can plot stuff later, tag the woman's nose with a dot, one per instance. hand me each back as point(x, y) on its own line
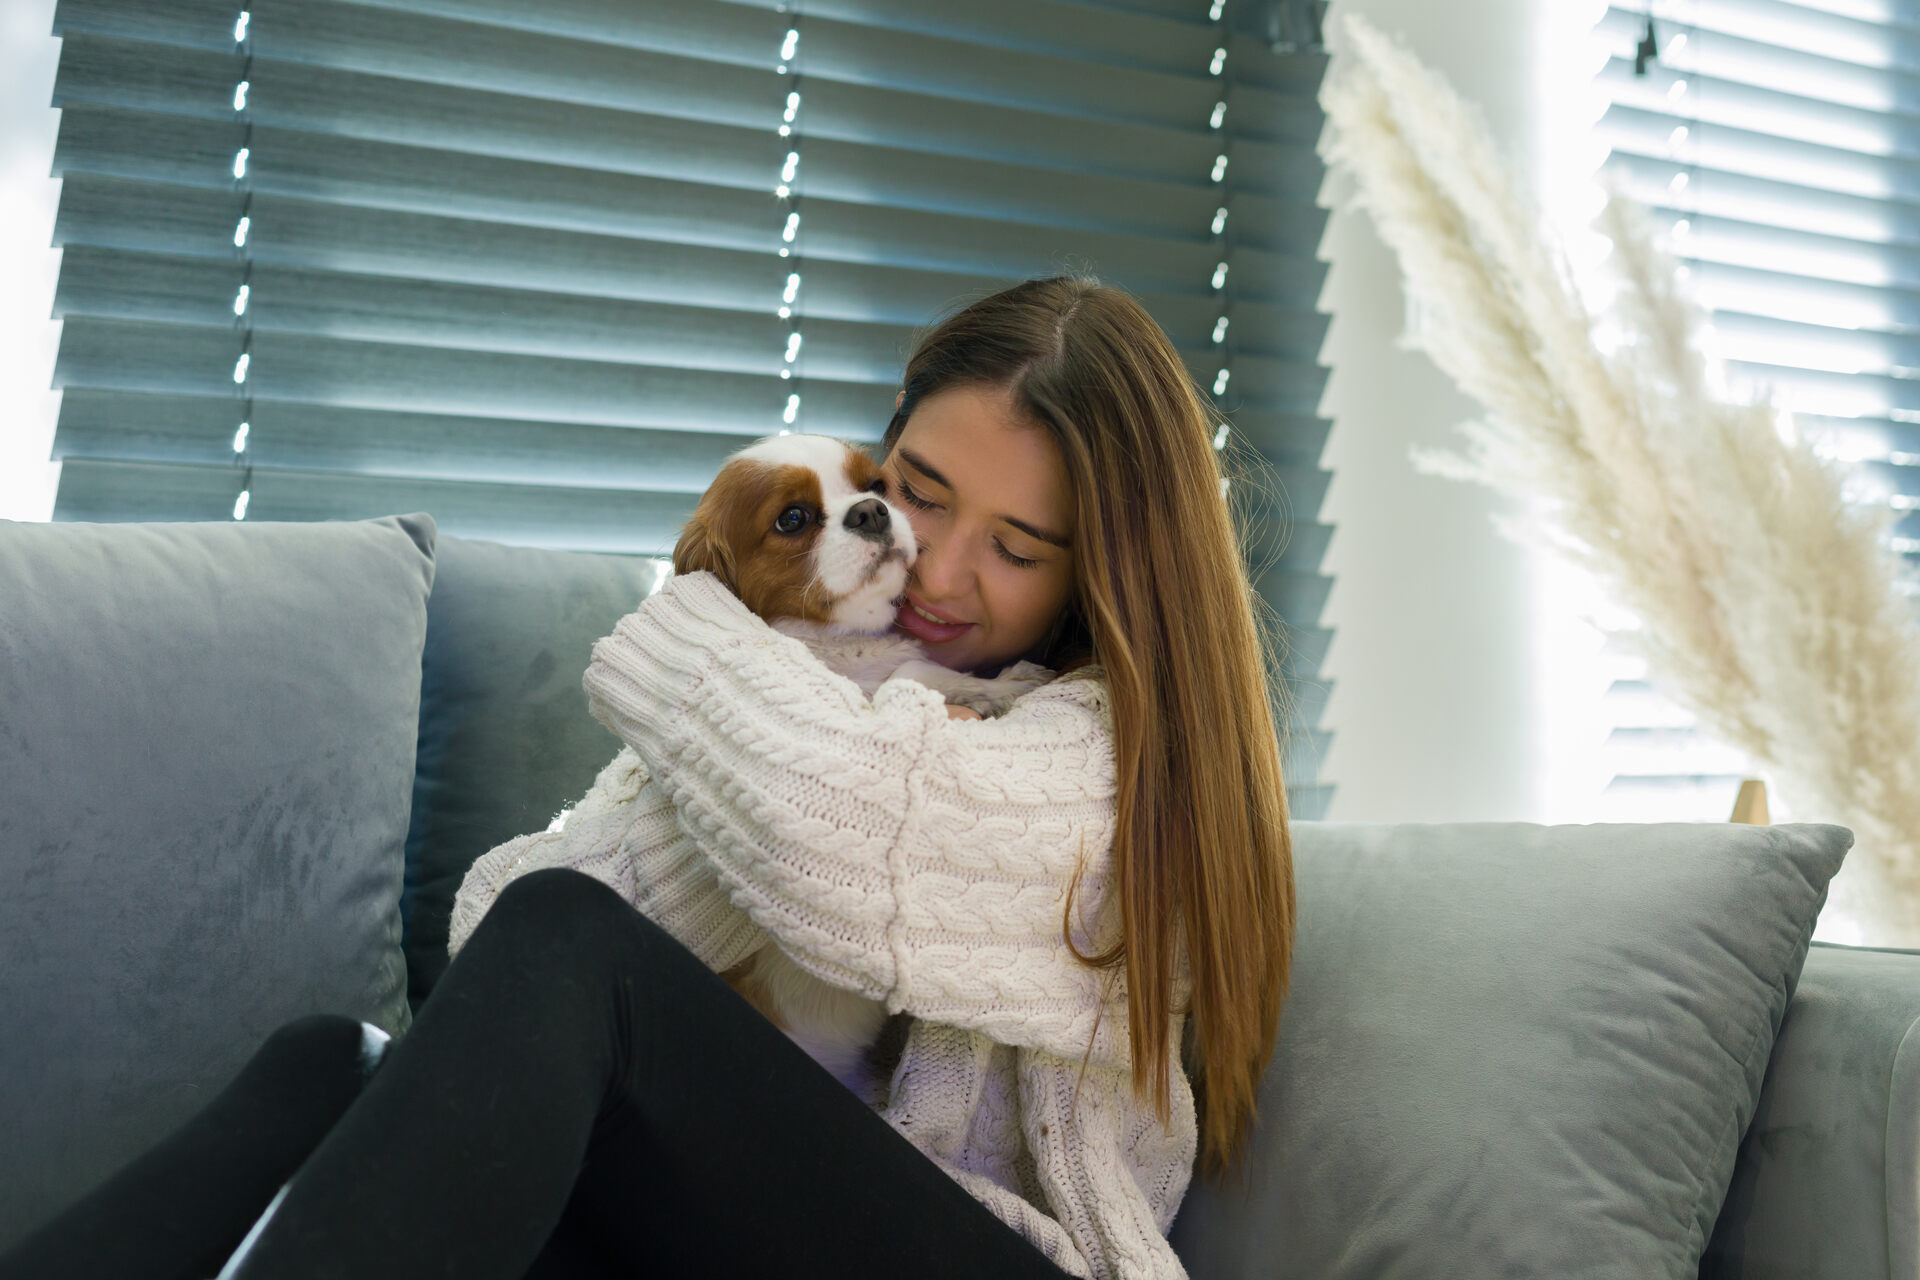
point(938, 574)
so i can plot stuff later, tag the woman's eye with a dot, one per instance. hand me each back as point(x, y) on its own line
point(1013, 559)
point(793, 519)
point(914, 499)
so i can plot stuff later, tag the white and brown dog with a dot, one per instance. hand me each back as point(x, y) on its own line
point(796, 526)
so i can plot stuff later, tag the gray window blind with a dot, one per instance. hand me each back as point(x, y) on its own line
point(1780, 145)
point(538, 268)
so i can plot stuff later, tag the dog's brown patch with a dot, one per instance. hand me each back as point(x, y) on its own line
point(731, 535)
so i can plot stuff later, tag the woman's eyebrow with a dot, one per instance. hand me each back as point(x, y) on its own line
point(920, 464)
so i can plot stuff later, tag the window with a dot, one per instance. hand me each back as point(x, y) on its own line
point(538, 268)
point(1777, 144)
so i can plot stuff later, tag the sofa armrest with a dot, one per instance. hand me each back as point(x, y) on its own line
point(1827, 1183)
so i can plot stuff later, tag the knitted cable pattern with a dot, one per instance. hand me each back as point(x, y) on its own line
point(624, 834)
point(914, 859)
point(918, 860)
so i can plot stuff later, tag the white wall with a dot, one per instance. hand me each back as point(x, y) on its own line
point(28, 263)
point(1462, 683)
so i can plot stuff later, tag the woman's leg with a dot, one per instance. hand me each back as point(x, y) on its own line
point(730, 1152)
point(576, 1057)
point(177, 1211)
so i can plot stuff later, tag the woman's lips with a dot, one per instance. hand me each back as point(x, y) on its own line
point(925, 628)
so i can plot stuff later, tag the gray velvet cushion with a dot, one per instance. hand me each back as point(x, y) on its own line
point(506, 741)
point(1827, 1186)
point(207, 738)
point(1515, 1050)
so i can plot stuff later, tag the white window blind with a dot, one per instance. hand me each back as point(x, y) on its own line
point(537, 268)
point(1779, 145)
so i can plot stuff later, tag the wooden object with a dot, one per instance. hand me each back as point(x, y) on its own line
point(1750, 805)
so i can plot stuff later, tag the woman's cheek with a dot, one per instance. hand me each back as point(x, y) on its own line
point(916, 522)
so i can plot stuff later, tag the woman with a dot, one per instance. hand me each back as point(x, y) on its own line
point(582, 1095)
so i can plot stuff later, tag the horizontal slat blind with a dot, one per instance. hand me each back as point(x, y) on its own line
point(1779, 146)
point(527, 267)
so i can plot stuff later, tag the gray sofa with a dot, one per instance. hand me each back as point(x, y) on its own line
point(243, 767)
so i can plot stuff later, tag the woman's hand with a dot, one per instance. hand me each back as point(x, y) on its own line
point(957, 712)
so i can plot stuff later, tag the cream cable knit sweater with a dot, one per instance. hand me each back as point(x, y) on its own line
point(915, 859)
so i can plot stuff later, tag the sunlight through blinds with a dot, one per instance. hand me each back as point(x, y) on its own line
point(1779, 146)
point(538, 268)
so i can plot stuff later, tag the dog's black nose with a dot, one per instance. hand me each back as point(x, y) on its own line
point(867, 518)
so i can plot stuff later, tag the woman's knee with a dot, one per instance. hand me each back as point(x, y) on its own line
point(559, 893)
point(315, 1035)
point(562, 903)
point(316, 1052)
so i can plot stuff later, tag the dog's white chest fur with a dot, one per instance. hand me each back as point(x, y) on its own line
point(871, 660)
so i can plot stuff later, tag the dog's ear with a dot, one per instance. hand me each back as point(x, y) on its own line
point(702, 548)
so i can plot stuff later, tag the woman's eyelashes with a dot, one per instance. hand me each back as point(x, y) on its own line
point(914, 499)
point(1012, 559)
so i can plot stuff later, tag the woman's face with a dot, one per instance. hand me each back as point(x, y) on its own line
point(987, 495)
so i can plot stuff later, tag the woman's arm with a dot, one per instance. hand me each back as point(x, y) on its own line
point(619, 834)
point(887, 849)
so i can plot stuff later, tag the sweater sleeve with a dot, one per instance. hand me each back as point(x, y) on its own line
point(617, 834)
point(887, 849)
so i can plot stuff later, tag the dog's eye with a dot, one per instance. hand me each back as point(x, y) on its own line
point(793, 519)
point(878, 486)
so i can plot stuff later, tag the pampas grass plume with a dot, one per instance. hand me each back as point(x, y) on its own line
point(1770, 607)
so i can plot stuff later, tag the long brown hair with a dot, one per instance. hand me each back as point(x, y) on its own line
point(1163, 600)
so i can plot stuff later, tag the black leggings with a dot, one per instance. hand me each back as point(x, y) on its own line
point(580, 1097)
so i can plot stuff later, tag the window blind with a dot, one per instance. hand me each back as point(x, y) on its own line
point(1778, 144)
point(537, 269)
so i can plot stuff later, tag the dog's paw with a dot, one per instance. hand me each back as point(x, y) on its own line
point(931, 674)
point(1028, 675)
point(990, 696)
point(997, 695)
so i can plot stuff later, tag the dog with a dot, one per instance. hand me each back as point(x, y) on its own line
point(799, 528)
